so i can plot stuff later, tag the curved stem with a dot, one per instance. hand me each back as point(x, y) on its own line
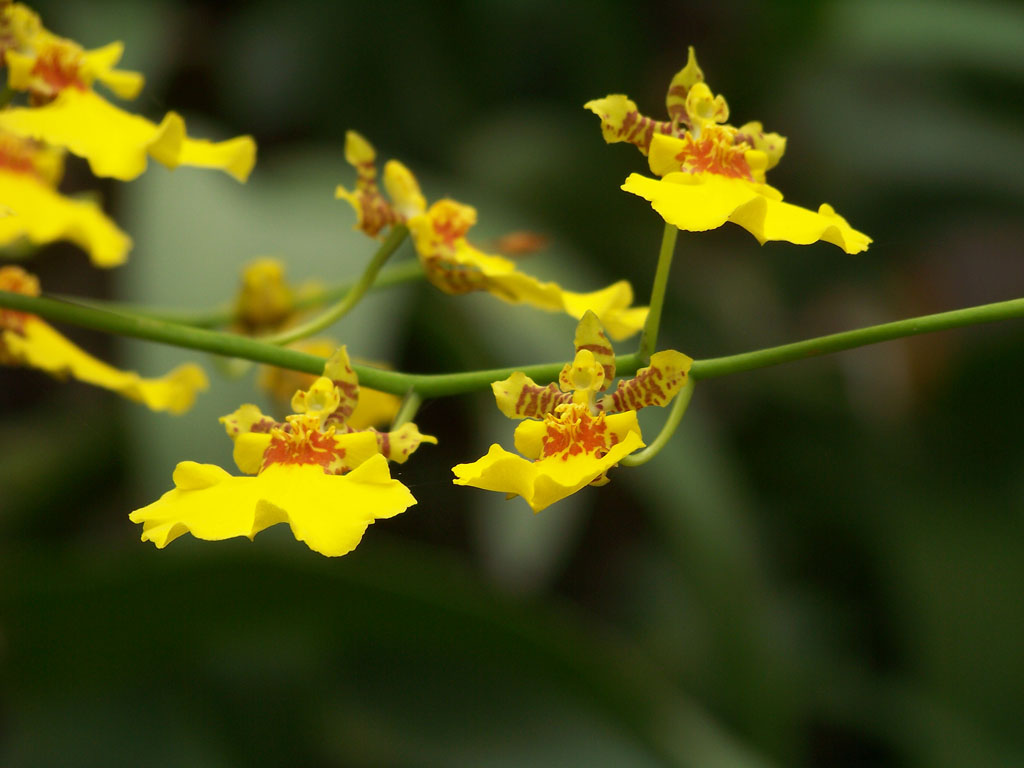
point(407, 410)
point(223, 315)
point(443, 384)
point(649, 338)
point(355, 294)
point(837, 342)
point(667, 430)
point(234, 345)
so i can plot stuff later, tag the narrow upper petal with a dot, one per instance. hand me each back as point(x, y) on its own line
point(399, 444)
point(520, 397)
point(373, 211)
point(656, 384)
point(100, 64)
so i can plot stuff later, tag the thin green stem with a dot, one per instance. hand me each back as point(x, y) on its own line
point(326, 319)
point(6, 95)
point(649, 338)
point(668, 429)
point(234, 345)
point(443, 384)
point(407, 410)
point(223, 315)
point(837, 342)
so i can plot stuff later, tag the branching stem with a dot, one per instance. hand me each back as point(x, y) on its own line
point(444, 384)
point(330, 316)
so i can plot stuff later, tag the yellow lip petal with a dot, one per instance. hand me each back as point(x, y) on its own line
point(544, 482)
point(118, 144)
point(42, 215)
point(42, 347)
point(698, 202)
point(330, 513)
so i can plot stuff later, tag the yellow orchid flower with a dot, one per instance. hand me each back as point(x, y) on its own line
point(315, 471)
point(454, 265)
point(29, 174)
point(19, 25)
point(711, 172)
point(265, 300)
point(59, 74)
point(374, 409)
point(27, 340)
point(570, 438)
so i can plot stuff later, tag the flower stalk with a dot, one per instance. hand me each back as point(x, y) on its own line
point(861, 337)
point(354, 295)
point(445, 384)
point(407, 410)
point(218, 317)
point(649, 337)
point(679, 406)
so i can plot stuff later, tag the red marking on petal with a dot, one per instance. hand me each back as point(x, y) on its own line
point(384, 443)
point(305, 446)
point(715, 153)
point(16, 280)
point(58, 67)
point(20, 155)
point(573, 432)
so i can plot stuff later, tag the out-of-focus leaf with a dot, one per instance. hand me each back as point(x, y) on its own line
point(398, 657)
point(937, 33)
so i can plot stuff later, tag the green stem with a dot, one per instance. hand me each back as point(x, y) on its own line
point(674, 417)
point(6, 95)
point(649, 338)
point(443, 384)
point(407, 410)
point(326, 319)
point(233, 345)
point(223, 315)
point(837, 342)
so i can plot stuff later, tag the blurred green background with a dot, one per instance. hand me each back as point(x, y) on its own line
point(823, 568)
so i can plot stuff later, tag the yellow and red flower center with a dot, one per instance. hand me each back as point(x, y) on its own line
point(375, 212)
point(715, 152)
point(576, 431)
point(449, 229)
point(16, 280)
point(59, 66)
point(18, 155)
point(304, 444)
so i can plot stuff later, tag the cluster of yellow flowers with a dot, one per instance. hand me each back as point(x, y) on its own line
point(324, 468)
point(62, 113)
